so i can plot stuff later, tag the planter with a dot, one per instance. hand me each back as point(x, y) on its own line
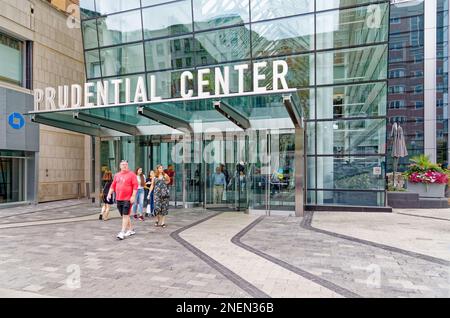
point(427, 190)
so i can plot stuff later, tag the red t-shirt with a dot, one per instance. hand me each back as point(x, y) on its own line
point(171, 174)
point(124, 183)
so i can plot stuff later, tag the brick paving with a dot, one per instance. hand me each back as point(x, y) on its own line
point(210, 254)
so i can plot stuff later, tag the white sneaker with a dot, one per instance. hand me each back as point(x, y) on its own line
point(121, 236)
point(130, 233)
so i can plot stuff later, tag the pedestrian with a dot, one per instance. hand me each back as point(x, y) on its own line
point(138, 206)
point(219, 182)
point(104, 215)
point(161, 195)
point(150, 194)
point(125, 186)
point(171, 173)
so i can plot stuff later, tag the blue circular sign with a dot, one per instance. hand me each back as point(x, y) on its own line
point(16, 121)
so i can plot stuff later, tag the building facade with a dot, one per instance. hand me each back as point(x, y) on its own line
point(38, 50)
point(337, 52)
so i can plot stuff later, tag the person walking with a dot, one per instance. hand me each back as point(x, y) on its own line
point(104, 215)
point(219, 182)
point(138, 206)
point(125, 186)
point(161, 195)
point(150, 194)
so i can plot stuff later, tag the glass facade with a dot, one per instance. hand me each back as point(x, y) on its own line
point(337, 52)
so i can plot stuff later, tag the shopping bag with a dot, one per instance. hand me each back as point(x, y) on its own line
point(148, 209)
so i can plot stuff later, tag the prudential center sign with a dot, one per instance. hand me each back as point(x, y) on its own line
point(81, 97)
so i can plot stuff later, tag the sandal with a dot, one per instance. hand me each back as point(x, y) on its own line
point(156, 224)
point(163, 226)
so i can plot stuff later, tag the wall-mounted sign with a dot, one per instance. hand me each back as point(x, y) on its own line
point(377, 171)
point(16, 121)
point(77, 96)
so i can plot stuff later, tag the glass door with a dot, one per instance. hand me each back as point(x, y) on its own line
point(272, 177)
point(225, 172)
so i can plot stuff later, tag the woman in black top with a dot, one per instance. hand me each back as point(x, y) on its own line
point(106, 203)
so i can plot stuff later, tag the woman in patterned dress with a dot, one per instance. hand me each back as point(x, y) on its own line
point(160, 193)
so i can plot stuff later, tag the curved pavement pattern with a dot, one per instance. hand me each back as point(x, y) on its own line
point(210, 254)
point(213, 238)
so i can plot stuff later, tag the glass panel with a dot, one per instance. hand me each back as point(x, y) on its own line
point(168, 84)
point(365, 136)
point(352, 65)
point(120, 28)
point(90, 37)
point(282, 178)
point(122, 60)
point(146, 3)
point(223, 45)
point(311, 173)
point(210, 14)
point(108, 6)
point(361, 100)
point(351, 173)
point(167, 20)
point(271, 9)
point(334, 4)
point(174, 53)
point(11, 66)
point(11, 180)
point(301, 71)
point(282, 37)
point(87, 9)
point(358, 198)
point(93, 64)
point(311, 138)
point(342, 28)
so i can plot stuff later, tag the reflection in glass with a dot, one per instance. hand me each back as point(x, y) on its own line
point(167, 20)
point(93, 67)
point(343, 28)
point(352, 65)
point(210, 14)
point(282, 37)
point(122, 60)
point(223, 45)
point(173, 53)
point(120, 28)
point(351, 198)
point(361, 100)
point(90, 34)
point(334, 4)
point(350, 173)
point(365, 136)
point(108, 6)
point(271, 9)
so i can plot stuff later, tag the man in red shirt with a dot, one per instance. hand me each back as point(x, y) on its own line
point(171, 173)
point(125, 185)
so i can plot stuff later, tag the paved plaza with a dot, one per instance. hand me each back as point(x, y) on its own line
point(61, 249)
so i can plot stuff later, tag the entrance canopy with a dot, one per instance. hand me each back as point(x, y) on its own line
point(263, 111)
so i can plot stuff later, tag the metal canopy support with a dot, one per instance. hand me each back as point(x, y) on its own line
point(293, 111)
point(66, 126)
point(107, 123)
point(232, 114)
point(166, 119)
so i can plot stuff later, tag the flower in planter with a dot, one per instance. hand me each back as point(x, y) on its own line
point(424, 171)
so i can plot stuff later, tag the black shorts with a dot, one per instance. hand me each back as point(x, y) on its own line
point(124, 207)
